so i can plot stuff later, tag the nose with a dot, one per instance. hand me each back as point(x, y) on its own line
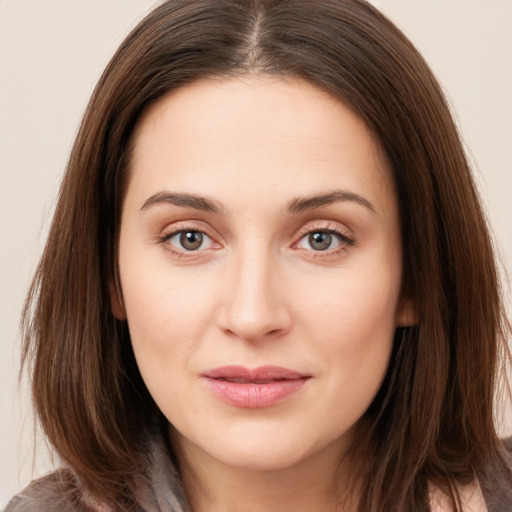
point(255, 305)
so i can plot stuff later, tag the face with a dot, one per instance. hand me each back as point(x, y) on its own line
point(260, 269)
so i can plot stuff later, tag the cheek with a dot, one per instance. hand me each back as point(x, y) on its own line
point(167, 314)
point(362, 302)
point(352, 326)
point(167, 319)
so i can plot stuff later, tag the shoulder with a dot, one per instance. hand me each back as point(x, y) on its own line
point(471, 496)
point(56, 492)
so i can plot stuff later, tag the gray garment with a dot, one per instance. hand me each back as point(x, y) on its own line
point(61, 491)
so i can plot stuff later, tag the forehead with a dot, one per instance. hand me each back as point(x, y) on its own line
point(227, 136)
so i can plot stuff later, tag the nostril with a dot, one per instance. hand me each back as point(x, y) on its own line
point(253, 313)
point(252, 334)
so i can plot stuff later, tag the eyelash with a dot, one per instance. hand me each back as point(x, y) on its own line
point(345, 240)
point(176, 230)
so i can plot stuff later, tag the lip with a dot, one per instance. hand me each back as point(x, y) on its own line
point(254, 388)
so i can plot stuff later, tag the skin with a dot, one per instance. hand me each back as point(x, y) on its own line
point(258, 291)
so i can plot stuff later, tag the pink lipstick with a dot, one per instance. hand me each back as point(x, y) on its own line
point(254, 388)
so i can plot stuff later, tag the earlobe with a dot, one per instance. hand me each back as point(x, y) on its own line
point(116, 302)
point(407, 313)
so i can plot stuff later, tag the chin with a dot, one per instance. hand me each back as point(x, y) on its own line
point(254, 458)
point(265, 446)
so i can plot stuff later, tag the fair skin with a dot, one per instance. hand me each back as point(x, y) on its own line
point(225, 261)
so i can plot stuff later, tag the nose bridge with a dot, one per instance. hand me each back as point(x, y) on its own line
point(254, 306)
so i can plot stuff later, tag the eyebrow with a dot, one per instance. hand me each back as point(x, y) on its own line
point(186, 200)
point(301, 204)
point(296, 205)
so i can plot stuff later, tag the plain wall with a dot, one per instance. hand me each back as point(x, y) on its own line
point(52, 53)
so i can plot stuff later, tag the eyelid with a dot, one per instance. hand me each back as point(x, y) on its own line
point(183, 226)
point(205, 241)
point(343, 234)
point(327, 225)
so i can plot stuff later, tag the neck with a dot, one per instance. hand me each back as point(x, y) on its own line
point(213, 486)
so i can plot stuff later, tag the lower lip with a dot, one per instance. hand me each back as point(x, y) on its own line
point(253, 395)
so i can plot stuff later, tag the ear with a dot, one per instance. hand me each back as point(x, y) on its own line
point(116, 301)
point(407, 313)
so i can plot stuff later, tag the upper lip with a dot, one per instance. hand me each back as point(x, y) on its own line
point(260, 374)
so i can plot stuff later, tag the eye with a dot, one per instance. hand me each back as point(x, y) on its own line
point(324, 240)
point(189, 240)
point(320, 241)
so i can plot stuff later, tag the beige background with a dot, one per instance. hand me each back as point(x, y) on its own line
point(53, 51)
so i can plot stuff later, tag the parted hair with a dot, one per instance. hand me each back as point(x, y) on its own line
point(432, 421)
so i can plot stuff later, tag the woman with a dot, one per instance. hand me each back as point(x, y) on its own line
point(268, 284)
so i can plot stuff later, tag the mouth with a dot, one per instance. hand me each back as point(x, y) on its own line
point(254, 388)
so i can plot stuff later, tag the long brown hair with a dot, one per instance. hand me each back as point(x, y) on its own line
point(432, 421)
